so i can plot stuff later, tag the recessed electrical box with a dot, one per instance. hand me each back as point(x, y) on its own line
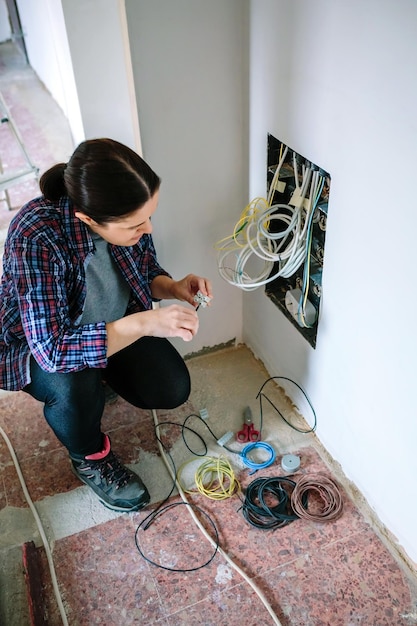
point(298, 192)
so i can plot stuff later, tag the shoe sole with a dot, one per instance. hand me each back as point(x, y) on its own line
point(134, 509)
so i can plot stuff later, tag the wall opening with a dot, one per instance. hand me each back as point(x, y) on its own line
point(298, 193)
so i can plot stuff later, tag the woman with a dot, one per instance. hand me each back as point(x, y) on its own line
point(80, 275)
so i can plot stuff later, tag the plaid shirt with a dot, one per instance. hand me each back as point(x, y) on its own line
point(43, 289)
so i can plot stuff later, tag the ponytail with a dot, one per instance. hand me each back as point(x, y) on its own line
point(52, 183)
point(104, 179)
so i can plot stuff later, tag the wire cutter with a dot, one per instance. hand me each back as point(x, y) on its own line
point(248, 432)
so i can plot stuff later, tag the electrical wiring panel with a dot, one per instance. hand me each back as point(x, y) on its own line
point(278, 241)
point(298, 197)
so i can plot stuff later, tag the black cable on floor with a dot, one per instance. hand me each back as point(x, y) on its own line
point(261, 395)
point(161, 509)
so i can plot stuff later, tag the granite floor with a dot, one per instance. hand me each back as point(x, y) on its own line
point(111, 571)
point(332, 573)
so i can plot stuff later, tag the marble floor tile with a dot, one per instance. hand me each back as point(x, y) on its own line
point(351, 581)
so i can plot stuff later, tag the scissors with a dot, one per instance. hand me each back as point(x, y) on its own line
point(248, 432)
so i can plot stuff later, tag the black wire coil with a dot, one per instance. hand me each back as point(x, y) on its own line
point(260, 514)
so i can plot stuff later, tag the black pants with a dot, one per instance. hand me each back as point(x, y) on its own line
point(149, 374)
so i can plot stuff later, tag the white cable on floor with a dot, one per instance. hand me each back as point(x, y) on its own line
point(40, 528)
point(48, 551)
point(256, 589)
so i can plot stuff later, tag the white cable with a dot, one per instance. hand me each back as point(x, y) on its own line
point(290, 259)
point(276, 175)
point(40, 528)
point(207, 536)
point(288, 248)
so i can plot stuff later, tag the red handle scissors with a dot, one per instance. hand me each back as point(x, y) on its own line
point(248, 432)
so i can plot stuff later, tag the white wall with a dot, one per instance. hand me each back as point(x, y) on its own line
point(46, 42)
point(5, 30)
point(99, 47)
point(188, 66)
point(336, 81)
point(80, 51)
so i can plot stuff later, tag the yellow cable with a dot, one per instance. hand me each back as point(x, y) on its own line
point(214, 478)
point(250, 213)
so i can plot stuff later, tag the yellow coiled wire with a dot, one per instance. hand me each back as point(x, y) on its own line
point(214, 478)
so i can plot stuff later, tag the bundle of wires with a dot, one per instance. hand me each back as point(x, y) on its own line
point(267, 503)
point(214, 478)
point(317, 185)
point(257, 465)
point(193, 510)
point(271, 503)
point(330, 502)
point(254, 235)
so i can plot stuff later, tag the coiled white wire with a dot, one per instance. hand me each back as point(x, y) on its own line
point(252, 237)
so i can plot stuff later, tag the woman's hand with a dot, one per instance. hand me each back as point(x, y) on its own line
point(166, 321)
point(187, 288)
point(171, 321)
point(163, 287)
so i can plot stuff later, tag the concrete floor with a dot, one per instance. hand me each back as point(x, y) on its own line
point(337, 573)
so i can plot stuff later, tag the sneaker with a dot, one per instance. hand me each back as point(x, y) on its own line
point(116, 486)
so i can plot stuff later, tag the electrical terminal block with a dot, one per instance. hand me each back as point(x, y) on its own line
point(204, 414)
point(280, 186)
point(293, 299)
point(306, 204)
point(226, 437)
point(297, 199)
point(201, 299)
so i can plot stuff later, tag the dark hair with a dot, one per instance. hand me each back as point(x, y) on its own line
point(103, 178)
